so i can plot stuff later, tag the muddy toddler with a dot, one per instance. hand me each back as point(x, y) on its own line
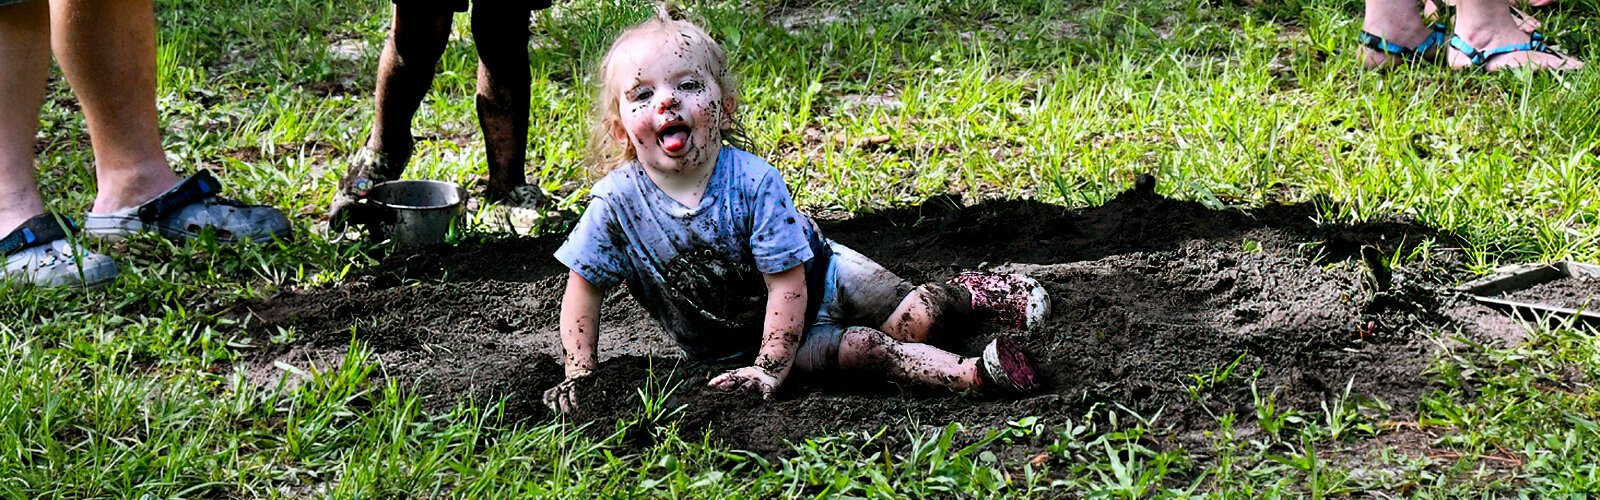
point(705, 236)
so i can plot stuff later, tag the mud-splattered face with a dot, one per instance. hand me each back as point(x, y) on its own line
point(672, 109)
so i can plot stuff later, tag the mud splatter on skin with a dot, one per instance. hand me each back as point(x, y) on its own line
point(583, 358)
point(881, 357)
point(868, 345)
point(788, 338)
point(949, 311)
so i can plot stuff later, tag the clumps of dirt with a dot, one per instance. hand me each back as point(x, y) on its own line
point(1153, 300)
point(1571, 293)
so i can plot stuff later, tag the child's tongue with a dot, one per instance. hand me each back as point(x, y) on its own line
point(675, 139)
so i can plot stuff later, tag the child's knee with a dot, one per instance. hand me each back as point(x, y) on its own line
point(948, 306)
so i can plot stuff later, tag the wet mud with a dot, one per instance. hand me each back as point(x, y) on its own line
point(1150, 295)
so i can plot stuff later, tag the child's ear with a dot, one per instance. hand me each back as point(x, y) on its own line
point(618, 133)
point(729, 107)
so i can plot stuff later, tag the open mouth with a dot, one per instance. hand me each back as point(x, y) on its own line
point(673, 138)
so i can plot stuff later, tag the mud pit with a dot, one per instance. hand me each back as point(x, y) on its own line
point(1147, 292)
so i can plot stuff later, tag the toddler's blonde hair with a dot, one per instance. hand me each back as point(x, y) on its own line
point(605, 153)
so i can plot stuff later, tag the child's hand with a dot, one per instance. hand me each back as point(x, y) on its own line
point(747, 378)
point(563, 398)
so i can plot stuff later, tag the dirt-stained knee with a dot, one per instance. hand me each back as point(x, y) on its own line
point(862, 348)
point(949, 308)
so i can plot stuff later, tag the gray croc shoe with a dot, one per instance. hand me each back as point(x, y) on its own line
point(189, 209)
point(41, 253)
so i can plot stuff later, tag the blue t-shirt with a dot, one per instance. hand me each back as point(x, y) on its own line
point(697, 271)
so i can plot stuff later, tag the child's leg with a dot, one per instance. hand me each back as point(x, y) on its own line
point(870, 295)
point(866, 349)
point(500, 31)
point(1003, 366)
point(405, 73)
point(928, 311)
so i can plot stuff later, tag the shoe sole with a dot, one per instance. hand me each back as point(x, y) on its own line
point(1038, 304)
point(1013, 364)
point(116, 232)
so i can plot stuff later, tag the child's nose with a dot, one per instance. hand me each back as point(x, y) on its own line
point(666, 104)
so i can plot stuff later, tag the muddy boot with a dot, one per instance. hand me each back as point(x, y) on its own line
point(1003, 367)
point(1011, 300)
point(369, 168)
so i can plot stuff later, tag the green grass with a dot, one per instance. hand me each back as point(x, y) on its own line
point(125, 391)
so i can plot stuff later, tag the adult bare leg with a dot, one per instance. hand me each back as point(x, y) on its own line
point(25, 55)
point(405, 73)
point(1525, 22)
point(107, 49)
point(1486, 24)
point(417, 36)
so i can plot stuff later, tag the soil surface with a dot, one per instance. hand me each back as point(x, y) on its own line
point(1150, 296)
point(1571, 293)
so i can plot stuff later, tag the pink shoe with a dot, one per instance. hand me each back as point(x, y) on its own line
point(1012, 300)
point(1004, 366)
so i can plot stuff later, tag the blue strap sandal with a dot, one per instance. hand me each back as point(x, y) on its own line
point(1434, 40)
point(1480, 57)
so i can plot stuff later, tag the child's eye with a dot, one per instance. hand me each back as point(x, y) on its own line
point(639, 95)
point(690, 85)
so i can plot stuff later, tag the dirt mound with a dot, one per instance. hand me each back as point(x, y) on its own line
point(1154, 299)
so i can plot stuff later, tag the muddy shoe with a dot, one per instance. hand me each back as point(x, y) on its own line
point(526, 196)
point(1012, 300)
point(41, 253)
point(368, 168)
point(522, 211)
point(1003, 366)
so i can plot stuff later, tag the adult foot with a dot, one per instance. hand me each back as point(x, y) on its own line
point(368, 168)
point(41, 252)
point(188, 209)
point(1399, 25)
point(1493, 42)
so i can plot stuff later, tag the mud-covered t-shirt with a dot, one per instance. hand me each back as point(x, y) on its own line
point(697, 271)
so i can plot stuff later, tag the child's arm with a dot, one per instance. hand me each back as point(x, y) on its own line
point(580, 321)
point(782, 331)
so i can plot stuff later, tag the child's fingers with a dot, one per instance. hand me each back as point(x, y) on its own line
point(736, 381)
point(562, 398)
